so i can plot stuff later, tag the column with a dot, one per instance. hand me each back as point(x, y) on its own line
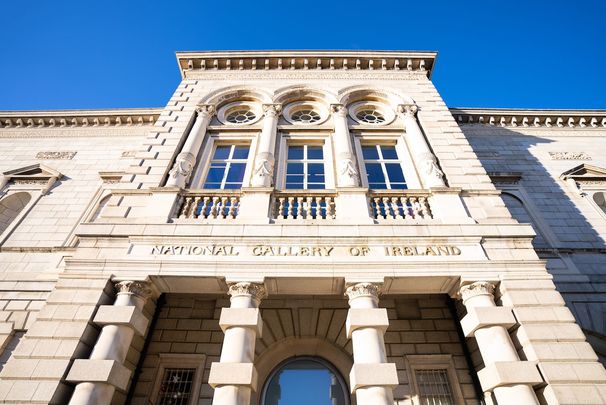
point(372, 379)
point(104, 371)
point(347, 174)
point(234, 376)
point(186, 160)
point(425, 160)
point(508, 378)
point(264, 161)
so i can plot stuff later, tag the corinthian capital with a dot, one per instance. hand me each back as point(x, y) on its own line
point(139, 288)
point(205, 110)
point(408, 110)
point(478, 288)
point(272, 110)
point(338, 109)
point(254, 290)
point(363, 290)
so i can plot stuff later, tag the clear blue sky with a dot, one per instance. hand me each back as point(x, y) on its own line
point(85, 54)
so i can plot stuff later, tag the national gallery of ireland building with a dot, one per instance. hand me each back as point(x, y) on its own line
point(303, 228)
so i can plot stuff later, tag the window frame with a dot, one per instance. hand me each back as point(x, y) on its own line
point(409, 170)
point(174, 360)
point(433, 362)
point(307, 138)
point(208, 151)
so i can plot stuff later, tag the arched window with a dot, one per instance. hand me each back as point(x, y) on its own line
point(10, 207)
point(600, 199)
point(303, 381)
point(520, 213)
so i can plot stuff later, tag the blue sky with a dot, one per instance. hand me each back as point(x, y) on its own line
point(77, 54)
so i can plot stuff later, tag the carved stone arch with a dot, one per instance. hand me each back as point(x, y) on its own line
point(293, 346)
point(11, 206)
point(302, 92)
point(226, 95)
point(354, 94)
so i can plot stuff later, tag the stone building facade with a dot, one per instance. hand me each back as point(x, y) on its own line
point(291, 213)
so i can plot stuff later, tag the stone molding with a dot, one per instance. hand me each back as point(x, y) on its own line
point(339, 110)
point(569, 156)
point(305, 75)
point(138, 288)
point(56, 155)
point(90, 118)
point(206, 110)
point(305, 61)
point(254, 290)
point(363, 290)
point(474, 289)
point(407, 110)
point(272, 110)
point(587, 119)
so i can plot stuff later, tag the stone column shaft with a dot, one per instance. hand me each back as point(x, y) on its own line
point(234, 377)
point(265, 160)
point(426, 162)
point(347, 174)
point(372, 379)
point(121, 321)
point(186, 160)
point(487, 323)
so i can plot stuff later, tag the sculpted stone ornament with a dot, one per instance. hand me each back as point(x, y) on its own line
point(255, 290)
point(363, 290)
point(272, 110)
point(206, 110)
point(409, 110)
point(264, 166)
point(430, 166)
point(338, 110)
point(183, 166)
point(138, 288)
point(478, 288)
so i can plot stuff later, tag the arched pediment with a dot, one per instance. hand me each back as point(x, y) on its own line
point(352, 94)
point(226, 95)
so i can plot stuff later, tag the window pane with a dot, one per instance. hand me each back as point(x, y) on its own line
point(394, 172)
point(212, 185)
point(315, 169)
point(222, 152)
point(294, 168)
point(375, 173)
point(236, 172)
point(294, 185)
point(215, 173)
point(241, 152)
point(398, 186)
point(389, 152)
point(370, 152)
point(232, 186)
point(295, 152)
point(315, 152)
point(315, 186)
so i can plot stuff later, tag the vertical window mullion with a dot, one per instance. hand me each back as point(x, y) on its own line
point(227, 166)
point(383, 167)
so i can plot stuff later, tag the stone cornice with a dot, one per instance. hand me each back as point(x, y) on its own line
point(511, 118)
point(78, 118)
point(193, 63)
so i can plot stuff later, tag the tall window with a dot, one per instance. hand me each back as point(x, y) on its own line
point(434, 387)
point(227, 167)
point(383, 168)
point(305, 167)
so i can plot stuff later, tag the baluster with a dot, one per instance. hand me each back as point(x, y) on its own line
point(386, 212)
point(290, 212)
point(399, 207)
point(214, 209)
point(405, 211)
point(309, 207)
point(185, 207)
point(233, 207)
point(224, 208)
point(425, 210)
point(375, 207)
point(300, 201)
point(204, 207)
point(331, 209)
point(192, 213)
point(414, 202)
point(280, 213)
point(393, 207)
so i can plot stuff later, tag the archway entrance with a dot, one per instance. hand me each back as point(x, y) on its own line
point(305, 380)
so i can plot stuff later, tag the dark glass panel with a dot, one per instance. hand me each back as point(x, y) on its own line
point(394, 172)
point(370, 152)
point(389, 152)
point(241, 152)
point(295, 152)
point(236, 172)
point(315, 152)
point(222, 152)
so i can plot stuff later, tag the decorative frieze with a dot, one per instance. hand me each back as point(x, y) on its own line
point(569, 156)
point(58, 155)
point(63, 119)
point(531, 119)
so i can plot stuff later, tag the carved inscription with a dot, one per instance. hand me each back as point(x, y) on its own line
point(267, 250)
point(196, 250)
point(429, 250)
point(55, 155)
point(569, 156)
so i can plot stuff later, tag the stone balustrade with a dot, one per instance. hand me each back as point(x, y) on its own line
point(400, 205)
point(304, 205)
point(209, 205)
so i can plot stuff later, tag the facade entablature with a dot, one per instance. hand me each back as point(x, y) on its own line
point(78, 118)
point(554, 119)
point(206, 63)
